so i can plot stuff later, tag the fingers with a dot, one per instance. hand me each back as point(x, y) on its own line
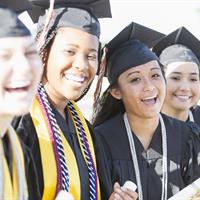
point(129, 194)
point(120, 193)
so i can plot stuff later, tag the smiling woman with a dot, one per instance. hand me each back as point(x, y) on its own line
point(140, 144)
point(179, 53)
point(20, 73)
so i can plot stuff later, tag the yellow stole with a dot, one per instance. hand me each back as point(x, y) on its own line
point(48, 158)
point(11, 187)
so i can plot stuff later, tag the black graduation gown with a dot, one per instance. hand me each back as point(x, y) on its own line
point(26, 130)
point(30, 170)
point(183, 146)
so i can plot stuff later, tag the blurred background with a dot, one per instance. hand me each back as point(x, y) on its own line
point(161, 15)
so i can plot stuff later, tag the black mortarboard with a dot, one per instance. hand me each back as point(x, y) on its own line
point(178, 46)
point(81, 14)
point(100, 8)
point(130, 48)
point(10, 25)
point(16, 5)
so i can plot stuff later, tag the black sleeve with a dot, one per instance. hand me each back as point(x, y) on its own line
point(192, 165)
point(103, 167)
point(28, 137)
point(31, 175)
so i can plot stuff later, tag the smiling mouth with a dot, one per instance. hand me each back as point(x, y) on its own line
point(18, 86)
point(17, 89)
point(78, 79)
point(183, 97)
point(149, 100)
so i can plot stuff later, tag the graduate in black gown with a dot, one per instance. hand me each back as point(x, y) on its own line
point(158, 153)
point(179, 52)
point(55, 130)
point(20, 73)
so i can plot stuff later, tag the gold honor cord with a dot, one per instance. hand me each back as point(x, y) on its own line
point(48, 162)
point(13, 188)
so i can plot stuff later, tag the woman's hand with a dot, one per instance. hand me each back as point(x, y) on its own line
point(120, 193)
point(64, 195)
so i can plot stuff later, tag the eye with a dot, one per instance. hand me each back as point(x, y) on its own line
point(31, 53)
point(156, 76)
point(135, 80)
point(5, 55)
point(69, 52)
point(92, 56)
point(175, 78)
point(194, 79)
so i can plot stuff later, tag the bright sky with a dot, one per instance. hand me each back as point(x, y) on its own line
point(162, 15)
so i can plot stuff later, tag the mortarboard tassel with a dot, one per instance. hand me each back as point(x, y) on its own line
point(100, 78)
point(42, 38)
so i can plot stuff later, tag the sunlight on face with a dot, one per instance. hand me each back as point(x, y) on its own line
point(20, 73)
point(183, 85)
point(68, 76)
point(142, 89)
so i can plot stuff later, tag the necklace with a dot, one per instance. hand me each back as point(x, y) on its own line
point(135, 160)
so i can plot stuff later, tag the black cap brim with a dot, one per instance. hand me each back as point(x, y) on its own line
point(16, 5)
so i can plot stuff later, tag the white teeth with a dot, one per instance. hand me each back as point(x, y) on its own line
point(183, 97)
point(18, 84)
point(75, 78)
point(149, 98)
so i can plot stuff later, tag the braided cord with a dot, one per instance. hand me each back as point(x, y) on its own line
point(62, 169)
point(85, 145)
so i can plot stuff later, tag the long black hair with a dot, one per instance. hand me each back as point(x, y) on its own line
point(107, 106)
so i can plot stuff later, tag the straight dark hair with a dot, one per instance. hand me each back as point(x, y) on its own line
point(107, 107)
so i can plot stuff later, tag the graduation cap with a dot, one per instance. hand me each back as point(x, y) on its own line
point(16, 5)
point(10, 24)
point(179, 46)
point(131, 47)
point(100, 8)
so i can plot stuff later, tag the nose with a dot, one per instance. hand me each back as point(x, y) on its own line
point(80, 62)
point(184, 86)
point(22, 63)
point(148, 85)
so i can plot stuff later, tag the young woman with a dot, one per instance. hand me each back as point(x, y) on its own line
point(20, 73)
point(158, 153)
point(179, 53)
point(55, 130)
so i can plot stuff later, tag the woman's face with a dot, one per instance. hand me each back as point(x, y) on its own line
point(183, 85)
point(142, 90)
point(72, 64)
point(20, 73)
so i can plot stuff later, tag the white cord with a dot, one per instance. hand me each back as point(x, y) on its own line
point(191, 118)
point(135, 161)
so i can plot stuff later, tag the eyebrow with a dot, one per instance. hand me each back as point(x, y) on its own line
point(179, 73)
point(137, 72)
point(154, 68)
point(75, 45)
